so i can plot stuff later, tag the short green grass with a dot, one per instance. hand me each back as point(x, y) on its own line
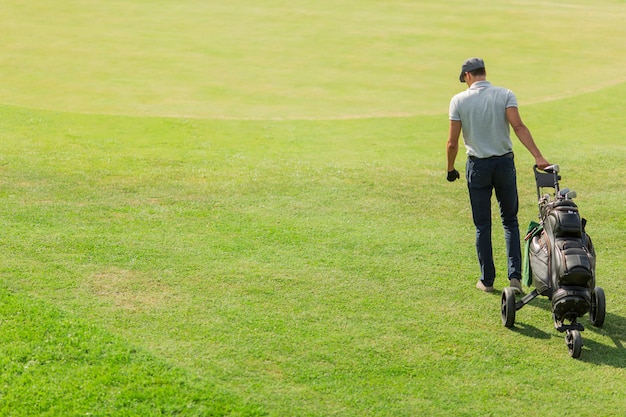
point(54, 364)
point(310, 267)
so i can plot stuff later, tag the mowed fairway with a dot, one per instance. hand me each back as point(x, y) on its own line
point(240, 208)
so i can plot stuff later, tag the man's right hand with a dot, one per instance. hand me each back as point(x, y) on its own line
point(453, 175)
point(541, 162)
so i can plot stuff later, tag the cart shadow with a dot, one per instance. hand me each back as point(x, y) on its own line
point(530, 331)
point(597, 353)
point(594, 352)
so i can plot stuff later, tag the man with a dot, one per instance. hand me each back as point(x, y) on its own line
point(483, 113)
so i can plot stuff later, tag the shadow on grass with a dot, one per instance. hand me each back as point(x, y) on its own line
point(530, 331)
point(525, 328)
point(594, 352)
point(602, 354)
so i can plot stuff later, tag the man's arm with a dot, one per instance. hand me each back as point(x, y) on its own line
point(524, 135)
point(452, 148)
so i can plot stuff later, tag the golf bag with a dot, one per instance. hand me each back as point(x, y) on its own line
point(562, 259)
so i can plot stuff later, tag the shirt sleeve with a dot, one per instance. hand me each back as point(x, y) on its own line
point(511, 100)
point(454, 110)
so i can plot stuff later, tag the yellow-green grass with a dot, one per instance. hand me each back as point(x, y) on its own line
point(290, 267)
point(298, 59)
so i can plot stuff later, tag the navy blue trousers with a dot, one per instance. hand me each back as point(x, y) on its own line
point(483, 177)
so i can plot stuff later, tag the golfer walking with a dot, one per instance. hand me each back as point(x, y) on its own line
point(483, 113)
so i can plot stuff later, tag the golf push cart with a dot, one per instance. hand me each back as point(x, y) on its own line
point(559, 261)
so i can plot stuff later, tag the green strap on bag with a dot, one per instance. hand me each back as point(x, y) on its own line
point(534, 229)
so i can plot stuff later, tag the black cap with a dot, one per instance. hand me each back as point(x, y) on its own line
point(470, 65)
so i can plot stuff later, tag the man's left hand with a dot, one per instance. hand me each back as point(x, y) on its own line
point(453, 175)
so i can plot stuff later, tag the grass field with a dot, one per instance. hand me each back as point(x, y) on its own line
point(215, 208)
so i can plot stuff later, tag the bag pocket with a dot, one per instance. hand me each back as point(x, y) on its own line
point(566, 222)
point(573, 263)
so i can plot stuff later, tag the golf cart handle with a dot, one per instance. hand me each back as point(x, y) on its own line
point(550, 169)
point(547, 177)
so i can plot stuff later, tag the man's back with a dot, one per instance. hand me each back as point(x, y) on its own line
point(482, 112)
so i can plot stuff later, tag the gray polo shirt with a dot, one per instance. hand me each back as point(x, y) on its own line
point(482, 112)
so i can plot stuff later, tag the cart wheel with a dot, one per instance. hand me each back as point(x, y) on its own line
point(508, 307)
point(598, 307)
point(574, 342)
